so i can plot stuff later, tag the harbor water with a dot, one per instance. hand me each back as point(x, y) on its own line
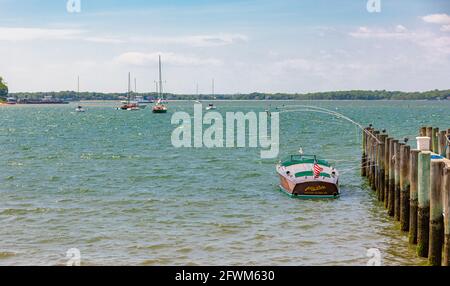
point(110, 184)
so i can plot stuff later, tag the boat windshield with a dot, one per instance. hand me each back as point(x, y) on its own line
point(303, 159)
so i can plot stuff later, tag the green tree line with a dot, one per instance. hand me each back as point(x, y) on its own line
point(331, 95)
point(3, 90)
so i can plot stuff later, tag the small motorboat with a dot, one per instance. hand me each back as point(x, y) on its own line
point(305, 176)
point(79, 109)
point(129, 107)
point(11, 101)
point(211, 107)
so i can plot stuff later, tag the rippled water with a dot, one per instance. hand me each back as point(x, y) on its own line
point(110, 184)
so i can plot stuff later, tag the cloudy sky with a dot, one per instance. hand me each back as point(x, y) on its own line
point(246, 45)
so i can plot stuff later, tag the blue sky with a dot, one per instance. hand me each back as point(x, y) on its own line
point(252, 45)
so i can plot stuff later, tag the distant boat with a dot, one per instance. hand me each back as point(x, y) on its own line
point(160, 107)
point(305, 176)
point(45, 100)
point(11, 101)
point(211, 107)
point(128, 104)
point(142, 102)
point(79, 109)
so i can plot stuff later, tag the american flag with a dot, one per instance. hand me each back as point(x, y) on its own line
point(317, 170)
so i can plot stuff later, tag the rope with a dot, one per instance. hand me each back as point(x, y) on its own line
point(330, 112)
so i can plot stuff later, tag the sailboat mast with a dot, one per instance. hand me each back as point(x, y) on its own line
point(213, 92)
point(160, 79)
point(78, 85)
point(129, 87)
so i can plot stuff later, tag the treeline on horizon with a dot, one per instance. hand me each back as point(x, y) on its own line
point(332, 95)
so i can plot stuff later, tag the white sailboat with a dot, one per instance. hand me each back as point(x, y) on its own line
point(129, 105)
point(160, 107)
point(211, 106)
point(79, 107)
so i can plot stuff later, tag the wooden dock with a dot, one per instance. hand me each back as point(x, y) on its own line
point(414, 186)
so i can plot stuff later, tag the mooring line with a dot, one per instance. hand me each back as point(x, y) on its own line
point(330, 112)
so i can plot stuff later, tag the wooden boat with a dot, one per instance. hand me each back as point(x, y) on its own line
point(160, 107)
point(305, 176)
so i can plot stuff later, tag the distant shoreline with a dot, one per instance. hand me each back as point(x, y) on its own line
point(331, 95)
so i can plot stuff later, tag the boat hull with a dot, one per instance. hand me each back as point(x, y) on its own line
point(159, 111)
point(311, 189)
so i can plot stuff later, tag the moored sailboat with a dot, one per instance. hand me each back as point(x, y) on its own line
point(129, 105)
point(160, 107)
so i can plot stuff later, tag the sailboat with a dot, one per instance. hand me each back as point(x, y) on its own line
point(128, 105)
point(212, 106)
point(79, 108)
point(160, 107)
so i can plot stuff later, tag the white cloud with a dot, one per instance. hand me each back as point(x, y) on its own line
point(31, 34)
point(400, 29)
point(399, 32)
point(295, 64)
point(445, 28)
point(195, 40)
point(104, 40)
point(436, 43)
point(441, 19)
point(144, 59)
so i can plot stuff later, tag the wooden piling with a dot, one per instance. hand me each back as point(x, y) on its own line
point(446, 205)
point(386, 171)
point(404, 187)
point(391, 195)
point(366, 166)
point(442, 143)
point(413, 200)
point(429, 133)
point(382, 171)
point(374, 162)
point(369, 155)
point(397, 181)
point(448, 144)
point(436, 209)
point(434, 140)
point(364, 153)
point(423, 212)
point(423, 131)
